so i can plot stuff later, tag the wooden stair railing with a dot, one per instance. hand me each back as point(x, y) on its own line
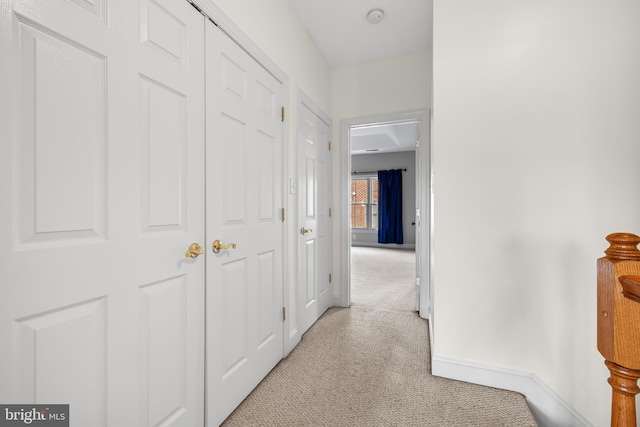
point(619, 323)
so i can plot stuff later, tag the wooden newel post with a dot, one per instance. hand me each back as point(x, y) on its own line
point(619, 323)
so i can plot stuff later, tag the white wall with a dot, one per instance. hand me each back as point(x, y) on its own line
point(396, 160)
point(536, 142)
point(388, 85)
point(273, 27)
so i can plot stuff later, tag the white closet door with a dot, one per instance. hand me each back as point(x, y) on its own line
point(315, 233)
point(102, 189)
point(244, 201)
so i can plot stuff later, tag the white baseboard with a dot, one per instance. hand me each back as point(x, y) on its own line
point(383, 245)
point(547, 407)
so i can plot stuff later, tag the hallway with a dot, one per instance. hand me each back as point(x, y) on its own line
point(369, 365)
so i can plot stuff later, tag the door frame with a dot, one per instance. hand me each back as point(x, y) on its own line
point(423, 185)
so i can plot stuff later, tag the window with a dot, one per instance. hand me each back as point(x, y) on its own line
point(364, 203)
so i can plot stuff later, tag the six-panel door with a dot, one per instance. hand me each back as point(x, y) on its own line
point(103, 192)
point(314, 236)
point(244, 200)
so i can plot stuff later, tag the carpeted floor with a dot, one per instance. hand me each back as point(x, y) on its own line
point(368, 365)
point(383, 279)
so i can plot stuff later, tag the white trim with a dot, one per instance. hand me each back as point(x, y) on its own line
point(344, 298)
point(422, 117)
point(305, 100)
point(290, 338)
point(431, 347)
point(360, 243)
point(548, 407)
point(288, 343)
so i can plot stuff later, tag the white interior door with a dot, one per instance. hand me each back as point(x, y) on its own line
point(102, 189)
point(244, 201)
point(314, 218)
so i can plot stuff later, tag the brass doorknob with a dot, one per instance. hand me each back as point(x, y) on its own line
point(194, 250)
point(218, 245)
point(305, 231)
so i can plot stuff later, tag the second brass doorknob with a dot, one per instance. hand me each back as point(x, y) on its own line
point(218, 246)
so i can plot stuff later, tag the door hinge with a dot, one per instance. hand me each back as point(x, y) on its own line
point(329, 145)
point(284, 314)
point(329, 212)
point(283, 114)
point(329, 278)
point(283, 215)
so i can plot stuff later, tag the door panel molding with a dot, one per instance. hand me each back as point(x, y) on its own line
point(41, 341)
point(67, 80)
point(163, 350)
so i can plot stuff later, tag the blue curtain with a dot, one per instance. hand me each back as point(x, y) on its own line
point(390, 206)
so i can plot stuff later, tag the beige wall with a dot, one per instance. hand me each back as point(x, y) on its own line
point(536, 141)
point(389, 85)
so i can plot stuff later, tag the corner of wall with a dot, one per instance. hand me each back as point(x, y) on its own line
point(548, 408)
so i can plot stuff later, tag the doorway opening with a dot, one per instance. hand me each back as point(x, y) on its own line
point(393, 141)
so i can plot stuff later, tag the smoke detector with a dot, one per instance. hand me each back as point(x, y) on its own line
point(374, 16)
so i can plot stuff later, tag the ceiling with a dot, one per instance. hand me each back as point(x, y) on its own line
point(343, 34)
point(386, 138)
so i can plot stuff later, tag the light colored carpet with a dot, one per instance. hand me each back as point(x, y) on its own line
point(369, 366)
point(383, 278)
